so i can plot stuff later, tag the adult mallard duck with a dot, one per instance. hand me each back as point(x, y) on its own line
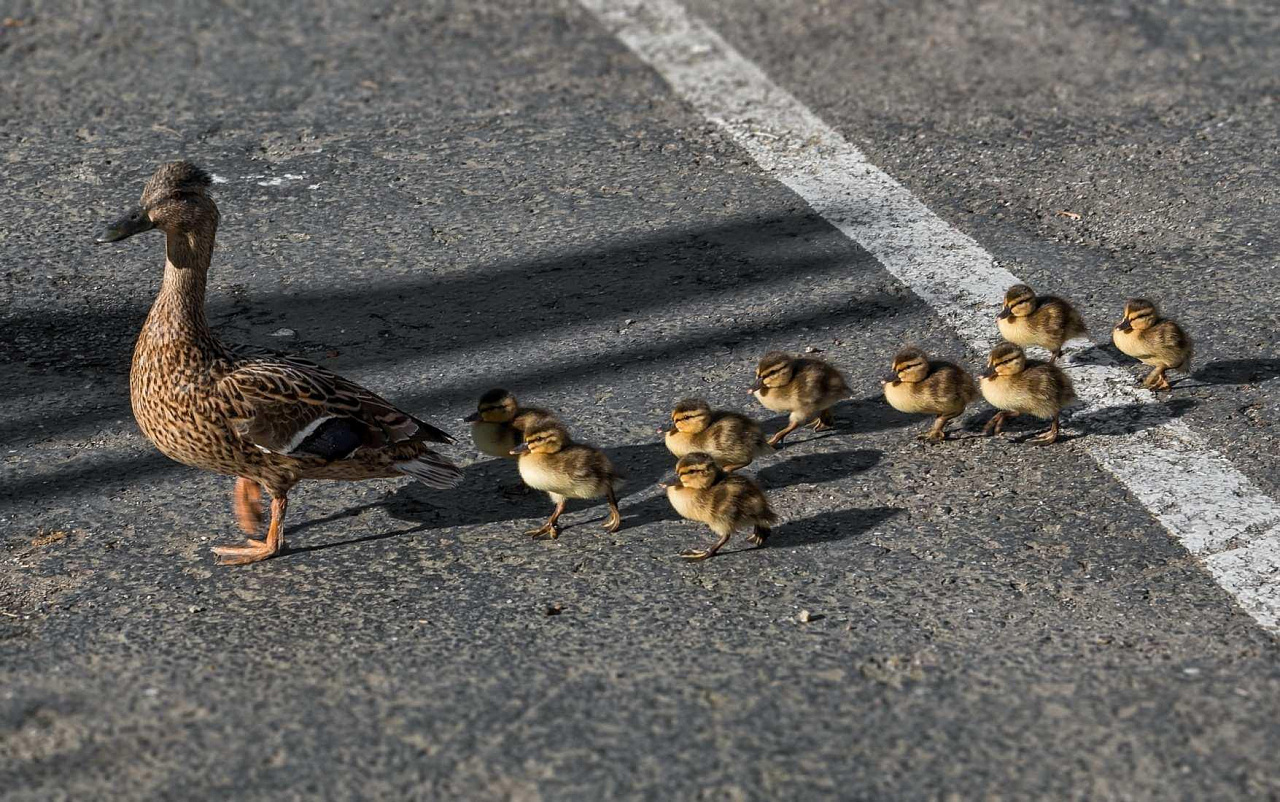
point(270, 419)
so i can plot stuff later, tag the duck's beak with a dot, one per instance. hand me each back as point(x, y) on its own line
point(756, 387)
point(1004, 313)
point(472, 418)
point(989, 373)
point(135, 222)
point(663, 429)
point(1125, 325)
point(666, 483)
point(523, 448)
point(890, 379)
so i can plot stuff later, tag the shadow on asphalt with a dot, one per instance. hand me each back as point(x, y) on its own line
point(1238, 371)
point(827, 527)
point(822, 467)
point(628, 278)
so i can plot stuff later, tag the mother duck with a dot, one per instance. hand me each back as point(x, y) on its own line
point(270, 419)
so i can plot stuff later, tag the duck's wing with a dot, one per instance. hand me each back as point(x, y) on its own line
point(292, 406)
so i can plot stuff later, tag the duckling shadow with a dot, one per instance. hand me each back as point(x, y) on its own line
point(480, 499)
point(1105, 354)
point(1130, 418)
point(822, 467)
point(829, 527)
point(855, 416)
point(1238, 371)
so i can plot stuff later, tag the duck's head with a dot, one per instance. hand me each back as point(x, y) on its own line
point(175, 200)
point(1139, 315)
point(691, 415)
point(495, 406)
point(775, 370)
point(1006, 359)
point(698, 471)
point(911, 365)
point(547, 438)
point(1019, 301)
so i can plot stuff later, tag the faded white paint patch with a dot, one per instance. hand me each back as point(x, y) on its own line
point(1195, 493)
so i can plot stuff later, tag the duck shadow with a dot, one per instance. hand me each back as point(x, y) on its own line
point(1117, 420)
point(854, 416)
point(1238, 371)
point(827, 527)
point(1130, 418)
point(1097, 354)
point(822, 467)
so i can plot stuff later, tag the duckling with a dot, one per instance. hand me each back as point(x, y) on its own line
point(1044, 320)
point(733, 440)
point(1014, 384)
point(804, 387)
point(937, 388)
point(499, 422)
point(270, 419)
point(1156, 341)
point(725, 502)
point(552, 462)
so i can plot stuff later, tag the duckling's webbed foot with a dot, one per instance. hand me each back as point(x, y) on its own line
point(702, 554)
point(1156, 380)
point(614, 522)
point(824, 421)
point(776, 440)
point(938, 432)
point(1048, 437)
point(758, 537)
point(550, 529)
point(547, 530)
point(257, 550)
point(247, 503)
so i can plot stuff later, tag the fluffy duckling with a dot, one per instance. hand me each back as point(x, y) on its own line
point(733, 440)
point(936, 388)
point(725, 502)
point(1156, 341)
point(1014, 385)
point(804, 387)
point(550, 461)
point(499, 422)
point(1044, 320)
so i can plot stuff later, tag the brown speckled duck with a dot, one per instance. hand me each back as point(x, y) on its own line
point(941, 389)
point(1043, 320)
point(1156, 341)
point(271, 420)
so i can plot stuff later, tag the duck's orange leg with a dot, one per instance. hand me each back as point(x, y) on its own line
point(247, 502)
point(256, 550)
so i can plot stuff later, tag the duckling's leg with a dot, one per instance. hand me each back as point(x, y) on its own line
point(1156, 380)
point(825, 420)
point(247, 502)
point(1054, 354)
point(255, 550)
point(996, 424)
point(938, 432)
point(702, 554)
point(759, 535)
point(550, 528)
point(1048, 437)
point(615, 517)
point(791, 426)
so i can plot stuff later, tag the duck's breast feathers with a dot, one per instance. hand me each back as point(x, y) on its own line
point(295, 407)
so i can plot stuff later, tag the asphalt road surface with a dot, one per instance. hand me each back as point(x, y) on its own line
point(438, 200)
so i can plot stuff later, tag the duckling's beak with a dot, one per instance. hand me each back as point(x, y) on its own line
point(523, 448)
point(135, 222)
point(989, 373)
point(1004, 313)
point(890, 379)
point(1125, 325)
point(663, 429)
point(472, 418)
point(672, 482)
point(759, 385)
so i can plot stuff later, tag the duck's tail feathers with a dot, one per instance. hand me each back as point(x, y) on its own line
point(432, 470)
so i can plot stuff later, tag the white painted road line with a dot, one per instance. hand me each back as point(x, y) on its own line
point(1216, 512)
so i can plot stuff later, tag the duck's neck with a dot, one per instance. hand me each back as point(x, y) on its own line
point(178, 312)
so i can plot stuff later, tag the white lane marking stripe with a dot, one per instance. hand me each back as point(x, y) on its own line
point(1196, 494)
